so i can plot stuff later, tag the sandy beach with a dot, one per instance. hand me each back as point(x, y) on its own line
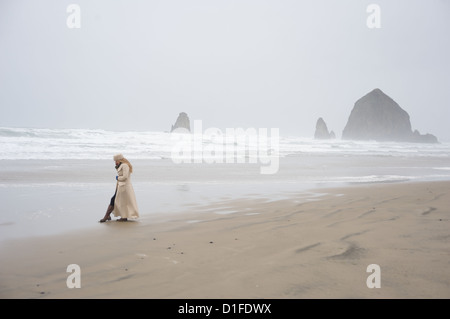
point(271, 150)
point(310, 245)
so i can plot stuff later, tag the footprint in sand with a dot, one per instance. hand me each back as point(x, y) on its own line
point(172, 260)
point(338, 250)
point(352, 251)
point(428, 210)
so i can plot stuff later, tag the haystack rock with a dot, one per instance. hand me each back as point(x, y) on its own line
point(321, 132)
point(377, 117)
point(182, 124)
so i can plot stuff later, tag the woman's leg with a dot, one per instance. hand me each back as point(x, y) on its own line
point(109, 210)
point(107, 215)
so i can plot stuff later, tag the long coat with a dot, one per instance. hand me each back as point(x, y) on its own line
point(125, 205)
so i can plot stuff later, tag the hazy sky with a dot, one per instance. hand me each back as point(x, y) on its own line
point(134, 65)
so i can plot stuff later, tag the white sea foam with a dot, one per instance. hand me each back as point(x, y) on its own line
point(374, 179)
point(33, 143)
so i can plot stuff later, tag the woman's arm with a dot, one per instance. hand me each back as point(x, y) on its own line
point(125, 173)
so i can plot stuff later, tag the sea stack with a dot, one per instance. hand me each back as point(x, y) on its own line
point(378, 117)
point(182, 123)
point(321, 132)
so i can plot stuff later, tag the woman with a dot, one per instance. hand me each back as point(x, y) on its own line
point(123, 203)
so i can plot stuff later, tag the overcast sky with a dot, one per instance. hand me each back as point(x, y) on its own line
point(134, 65)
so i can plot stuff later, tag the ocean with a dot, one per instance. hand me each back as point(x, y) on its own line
point(57, 144)
point(57, 180)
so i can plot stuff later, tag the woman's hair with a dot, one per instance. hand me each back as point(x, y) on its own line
point(124, 160)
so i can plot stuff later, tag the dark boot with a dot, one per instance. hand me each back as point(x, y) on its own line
point(107, 215)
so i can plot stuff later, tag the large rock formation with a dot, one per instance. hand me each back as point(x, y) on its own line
point(321, 132)
point(376, 116)
point(182, 123)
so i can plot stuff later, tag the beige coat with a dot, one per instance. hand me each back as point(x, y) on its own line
point(125, 205)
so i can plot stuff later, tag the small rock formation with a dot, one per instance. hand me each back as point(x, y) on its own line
point(424, 138)
point(376, 116)
point(321, 132)
point(182, 123)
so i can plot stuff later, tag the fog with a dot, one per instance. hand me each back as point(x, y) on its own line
point(135, 65)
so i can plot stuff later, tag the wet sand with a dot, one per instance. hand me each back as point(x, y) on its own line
point(308, 245)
